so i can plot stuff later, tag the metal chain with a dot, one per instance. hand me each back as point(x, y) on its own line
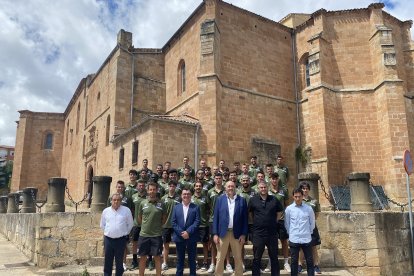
point(330, 198)
point(399, 204)
point(39, 206)
point(16, 201)
point(76, 203)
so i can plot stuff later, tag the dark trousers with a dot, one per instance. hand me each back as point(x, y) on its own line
point(307, 251)
point(259, 244)
point(191, 248)
point(114, 248)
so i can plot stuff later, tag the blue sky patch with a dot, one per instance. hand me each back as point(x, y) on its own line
point(388, 4)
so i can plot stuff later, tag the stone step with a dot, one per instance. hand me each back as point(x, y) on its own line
point(248, 260)
point(75, 270)
point(248, 249)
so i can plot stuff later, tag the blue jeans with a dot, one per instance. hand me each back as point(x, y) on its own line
point(114, 248)
point(191, 248)
point(307, 251)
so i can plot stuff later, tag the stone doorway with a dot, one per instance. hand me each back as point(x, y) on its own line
point(90, 185)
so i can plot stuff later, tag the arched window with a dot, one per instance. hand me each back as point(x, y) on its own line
point(181, 79)
point(77, 119)
point(307, 76)
point(108, 125)
point(48, 141)
point(303, 71)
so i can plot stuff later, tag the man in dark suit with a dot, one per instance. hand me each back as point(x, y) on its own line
point(230, 227)
point(185, 221)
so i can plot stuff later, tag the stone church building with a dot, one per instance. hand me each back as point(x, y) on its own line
point(228, 84)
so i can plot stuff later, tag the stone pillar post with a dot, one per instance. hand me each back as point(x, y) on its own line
point(29, 196)
point(360, 196)
point(312, 179)
point(13, 203)
point(56, 195)
point(101, 187)
point(3, 204)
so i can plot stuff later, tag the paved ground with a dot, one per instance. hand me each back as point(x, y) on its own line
point(13, 262)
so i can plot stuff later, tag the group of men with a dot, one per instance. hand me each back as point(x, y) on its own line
point(219, 207)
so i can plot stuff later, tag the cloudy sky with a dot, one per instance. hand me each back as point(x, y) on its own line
point(48, 46)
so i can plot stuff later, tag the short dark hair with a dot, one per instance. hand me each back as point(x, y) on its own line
point(253, 157)
point(236, 163)
point(274, 175)
point(133, 172)
point(172, 171)
point(218, 174)
point(200, 170)
point(279, 156)
point(173, 182)
point(141, 181)
point(304, 184)
point(297, 191)
point(152, 184)
point(269, 165)
point(120, 182)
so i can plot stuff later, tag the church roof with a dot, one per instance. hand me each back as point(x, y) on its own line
point(180, 119)
point(184, 118)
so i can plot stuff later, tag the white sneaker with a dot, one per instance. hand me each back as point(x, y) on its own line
point(229, 268)
point(164, 266)
point(211, 269)
point(125, 267)
point(287, 267)
point(244, 269)
point(267, 269)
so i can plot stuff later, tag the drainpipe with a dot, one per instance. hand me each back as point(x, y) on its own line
point(295, 82)
point(196, 147)
point(132, 88)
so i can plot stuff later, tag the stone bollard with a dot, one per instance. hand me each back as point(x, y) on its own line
point(29, 197)
point(56, 195)
point(101, 187)
point(3, 204)
point(312, 179)
point(13, 203)
point(360, 196)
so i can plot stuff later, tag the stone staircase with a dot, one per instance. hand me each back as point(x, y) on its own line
point(95, 265)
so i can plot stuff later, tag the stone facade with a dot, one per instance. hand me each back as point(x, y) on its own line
point(371, 243)
point(338, 83)
point(55, 239)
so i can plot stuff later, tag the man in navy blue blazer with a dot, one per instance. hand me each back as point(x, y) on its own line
point(230, 227)
point(185, 221)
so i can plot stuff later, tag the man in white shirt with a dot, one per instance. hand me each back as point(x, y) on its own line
point(300, 222)
point(230, 227)
point(116, 222)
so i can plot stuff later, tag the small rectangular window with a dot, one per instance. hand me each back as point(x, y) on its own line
point(121, 158)
point(134, 152)
point(48, 141)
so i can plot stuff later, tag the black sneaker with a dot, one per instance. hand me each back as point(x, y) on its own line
point(204, 267)
point(134, 265)
point(151, 265)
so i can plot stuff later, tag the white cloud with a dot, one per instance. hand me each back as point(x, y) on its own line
point(48, 46)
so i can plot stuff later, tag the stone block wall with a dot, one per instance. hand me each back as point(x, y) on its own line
point(33, 163)
point(55, 239)
point(372, 243)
